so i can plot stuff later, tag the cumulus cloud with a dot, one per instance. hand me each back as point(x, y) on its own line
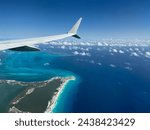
point(84, 49)
point(84, 54)
point(112, 65)
point(46, 64)
point(120, 51)
point(147, 54)
point(134, 54)
point(128, 68)
point(99, 64)
point(130, 49)
point(115, 50)
point(75, 47)
point(104, 42)
point(4, 51)
point(81, 53)
point(99, 44)
point(62, 47)
point(76, 53)
point(137, 49)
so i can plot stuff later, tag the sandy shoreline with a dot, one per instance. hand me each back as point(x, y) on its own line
point(52, 104)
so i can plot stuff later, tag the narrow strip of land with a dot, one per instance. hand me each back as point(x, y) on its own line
point(38, 97)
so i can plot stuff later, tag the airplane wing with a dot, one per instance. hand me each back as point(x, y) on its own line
point(28, 44)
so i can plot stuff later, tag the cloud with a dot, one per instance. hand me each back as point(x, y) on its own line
point(85, 54)
point(120, 51)
point(81, 53)
point(128, 68)
point(112, 65)
point(134, 54)
point(76, 53)
point(136, 49)
point(130, 49)
point(115, 50)
point(92, 61)
point(104, 42)
point(99, 64)
point(84, 49)
point(0, 62)
point(147, 54)
point(62, 47)
point(46, 64)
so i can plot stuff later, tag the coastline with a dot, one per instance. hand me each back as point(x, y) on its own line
point(32, 87)
point(52, 105)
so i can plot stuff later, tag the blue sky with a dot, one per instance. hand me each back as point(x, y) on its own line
point(123, 19)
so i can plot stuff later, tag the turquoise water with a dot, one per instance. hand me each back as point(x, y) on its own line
point(29, 67)
point(67, 97)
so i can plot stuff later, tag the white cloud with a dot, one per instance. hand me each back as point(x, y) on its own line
point(76, 53)
point(120, 51)
point(46, 64)
point(62, 47)
point(110, 50)
point(92, 61)
point(130, 49)
point(75, 47)
point(137, 49)
point(85, 54)
point(105, 42)
point(99, 44)
point(115, 50)
point(81, 53)
point(128, 68)
point(147, 54)
point(4, 51)
point(99, 64)
point(112, 65)
point(134, 54)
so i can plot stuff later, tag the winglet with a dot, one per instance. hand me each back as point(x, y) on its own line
point(75, 28)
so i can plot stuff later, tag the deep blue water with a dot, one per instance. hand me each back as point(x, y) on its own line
point(106, 81)
point(110, 89)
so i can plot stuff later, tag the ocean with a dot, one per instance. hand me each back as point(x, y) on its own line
point(108, 78)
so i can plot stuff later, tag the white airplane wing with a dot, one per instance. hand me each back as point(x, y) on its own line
point(28, 44)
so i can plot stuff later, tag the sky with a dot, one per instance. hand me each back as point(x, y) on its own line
point(102, 19)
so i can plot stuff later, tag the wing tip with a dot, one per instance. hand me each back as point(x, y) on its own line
point(75, 28)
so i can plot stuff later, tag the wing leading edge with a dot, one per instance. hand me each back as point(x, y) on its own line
point(27, 44)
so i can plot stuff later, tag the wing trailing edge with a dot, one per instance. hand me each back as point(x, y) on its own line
point(25, 48)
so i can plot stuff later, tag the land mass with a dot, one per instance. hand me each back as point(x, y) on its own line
point(38, 97)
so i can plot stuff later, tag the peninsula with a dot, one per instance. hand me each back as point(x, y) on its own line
point(38, 97)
